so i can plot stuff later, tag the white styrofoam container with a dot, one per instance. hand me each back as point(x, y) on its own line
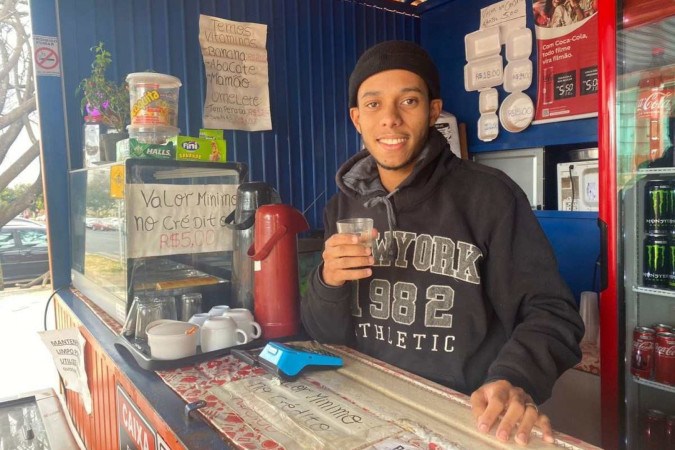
point(517, 75)
point(488, 127)
point(483, 73)
point(519, 44)
point(481, 43)
point(488, 101)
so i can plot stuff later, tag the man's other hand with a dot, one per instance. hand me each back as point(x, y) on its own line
point(518, 412)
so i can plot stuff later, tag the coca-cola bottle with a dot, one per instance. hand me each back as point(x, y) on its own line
point(650, 111)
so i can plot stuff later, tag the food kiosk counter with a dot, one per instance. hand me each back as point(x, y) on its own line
point(364, 404)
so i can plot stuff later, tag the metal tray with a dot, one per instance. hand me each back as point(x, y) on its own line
point(141, 354)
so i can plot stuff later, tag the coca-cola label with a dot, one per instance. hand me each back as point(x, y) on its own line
point(651, 105)
point(667, 352)
point(643, 345)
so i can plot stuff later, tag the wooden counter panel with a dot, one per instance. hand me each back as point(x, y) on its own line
point(100, 429)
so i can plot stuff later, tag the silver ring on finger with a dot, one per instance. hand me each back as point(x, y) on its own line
point(532, 405)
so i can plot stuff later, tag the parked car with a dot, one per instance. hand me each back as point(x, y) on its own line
point(23, 251)
point(21, 220)
point(105, 224)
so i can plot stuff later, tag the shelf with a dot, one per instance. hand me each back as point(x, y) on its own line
point(654, 384)
point(657, 170)
point(653, 291)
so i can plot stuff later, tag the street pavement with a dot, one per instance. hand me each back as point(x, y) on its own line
point(25, 363)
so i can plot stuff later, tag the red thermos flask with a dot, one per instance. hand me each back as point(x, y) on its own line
point(275, 266)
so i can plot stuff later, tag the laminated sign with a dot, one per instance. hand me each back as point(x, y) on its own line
point(567, 49)
point(67, 348)
point(237, 82)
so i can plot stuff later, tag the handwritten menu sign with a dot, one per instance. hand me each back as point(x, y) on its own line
point(300, 414)
point(67, 348)
point(237, 83)
point(507, 14)
point(168, 219)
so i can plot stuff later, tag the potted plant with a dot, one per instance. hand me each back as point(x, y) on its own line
point(105, 102)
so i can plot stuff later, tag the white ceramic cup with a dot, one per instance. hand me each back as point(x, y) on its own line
point(218, 310)
point(199, 319)
point(245, 321)
point(221, 332)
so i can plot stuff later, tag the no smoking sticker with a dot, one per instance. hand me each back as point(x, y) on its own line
point(47, 57)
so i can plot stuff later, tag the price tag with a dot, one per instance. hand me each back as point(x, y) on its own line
point(564, 85)
point(589, 80)
point(483, 73)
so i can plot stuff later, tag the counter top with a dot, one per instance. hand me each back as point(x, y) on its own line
point(242, 402)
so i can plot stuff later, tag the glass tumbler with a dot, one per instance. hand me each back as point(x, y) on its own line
point(168, 306)
point(190, 304)
point(146, 313)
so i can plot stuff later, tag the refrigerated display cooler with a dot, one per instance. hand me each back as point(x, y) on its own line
point(637, 88)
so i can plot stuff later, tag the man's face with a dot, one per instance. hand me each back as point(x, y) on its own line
point(393, 116)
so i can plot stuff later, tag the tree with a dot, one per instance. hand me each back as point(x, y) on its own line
point(17, 109)
point(17, 104)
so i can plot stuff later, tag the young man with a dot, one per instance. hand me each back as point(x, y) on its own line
point(461, 286)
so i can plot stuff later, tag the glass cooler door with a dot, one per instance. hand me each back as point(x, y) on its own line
point(645, 178)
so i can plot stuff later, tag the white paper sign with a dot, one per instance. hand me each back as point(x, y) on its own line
point(308, 415)
point(169, 219)
point(237, 83)
point(67, 349)
point(46, 56)
point(509, 15)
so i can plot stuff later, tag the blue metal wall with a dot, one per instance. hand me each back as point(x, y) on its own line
point(442, 33)
point(312, 46)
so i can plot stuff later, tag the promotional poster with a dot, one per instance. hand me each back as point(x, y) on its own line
point(567, 41)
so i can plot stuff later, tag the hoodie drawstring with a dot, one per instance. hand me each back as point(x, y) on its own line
point(391, 218)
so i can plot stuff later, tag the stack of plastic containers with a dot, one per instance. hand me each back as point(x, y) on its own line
point(154, 107)
point(485, 70)
point(517, 110)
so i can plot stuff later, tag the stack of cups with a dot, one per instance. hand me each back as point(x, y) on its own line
point(588, 309)
point(154, 107)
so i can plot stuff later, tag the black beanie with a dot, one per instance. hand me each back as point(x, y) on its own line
point(391, 55)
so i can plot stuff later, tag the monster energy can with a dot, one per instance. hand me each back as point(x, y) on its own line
point(655, 265)
point(657, 206)
point(671, 262)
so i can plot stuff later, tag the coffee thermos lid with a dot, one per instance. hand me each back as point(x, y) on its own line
point(250, 196)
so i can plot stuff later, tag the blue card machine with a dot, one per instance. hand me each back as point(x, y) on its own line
point(288, 360)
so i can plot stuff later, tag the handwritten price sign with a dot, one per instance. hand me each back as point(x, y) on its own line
point(167, 219)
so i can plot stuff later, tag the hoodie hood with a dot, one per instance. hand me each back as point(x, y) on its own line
point(359, 178)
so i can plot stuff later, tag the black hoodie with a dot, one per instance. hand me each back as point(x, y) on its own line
point(467, 291)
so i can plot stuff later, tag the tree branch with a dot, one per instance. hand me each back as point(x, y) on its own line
point(22, 202)
point(24, 108)
point(19, 165)
point(8, 137)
